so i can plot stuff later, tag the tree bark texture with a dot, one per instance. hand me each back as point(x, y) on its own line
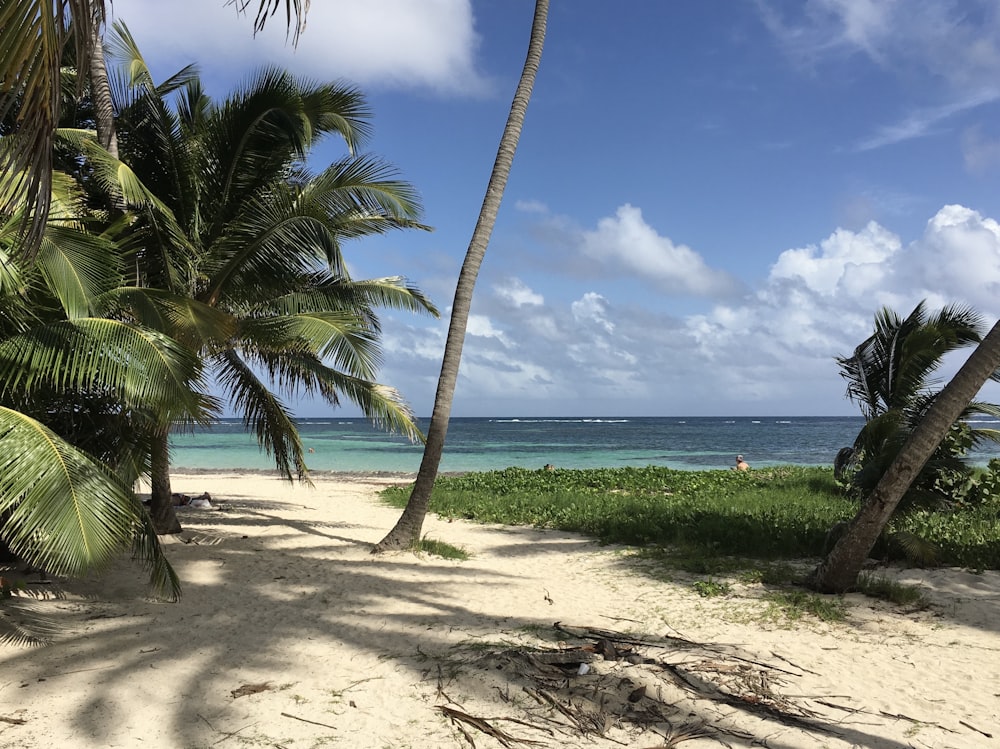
point(838, 572)
point(104, 112)
point(407, 530)
point(161, 505)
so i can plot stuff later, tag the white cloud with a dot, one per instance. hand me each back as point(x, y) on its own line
point(848, 262)
point(531, 206)
point(592, 308)
point(770, 352)
point(481, 326)
point(924, 122)
point(516, 292)
point(387, 43)
point(627, 245)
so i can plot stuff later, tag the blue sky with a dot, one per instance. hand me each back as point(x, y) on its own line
point(710, 201)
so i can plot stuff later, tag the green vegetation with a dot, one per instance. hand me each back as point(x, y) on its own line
point(711, 588)
point(892, 375)
point(705, 521)
point(794, 604)
point(880, 586)
point(198, 261)
point(441, 549)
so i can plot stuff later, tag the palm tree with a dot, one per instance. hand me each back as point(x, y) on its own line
point(251, 239)
point(891, 376)
point(839, 571)
point(63, 507)
point(406, 532)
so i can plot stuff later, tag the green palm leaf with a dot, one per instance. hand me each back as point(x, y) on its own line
point(64, 512)
point(146, 368)
point(263, 413)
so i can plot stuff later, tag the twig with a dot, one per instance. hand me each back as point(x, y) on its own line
point(505, 739)
point(973, 728)
point(306, 720)
point(796, 665)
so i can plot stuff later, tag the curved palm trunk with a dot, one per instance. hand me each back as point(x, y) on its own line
point(104, 114)
point(161, 505)
point(839, 571)
point(407, 529)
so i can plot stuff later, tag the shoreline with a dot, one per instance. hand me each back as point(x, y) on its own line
point(291, 634)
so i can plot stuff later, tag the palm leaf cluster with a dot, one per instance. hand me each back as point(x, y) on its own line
point(203, 263)
point(892, 375)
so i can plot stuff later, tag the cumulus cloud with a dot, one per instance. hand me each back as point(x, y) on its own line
point(594, 348)
point(626, 245)
point(853, 263)
point(379, 43)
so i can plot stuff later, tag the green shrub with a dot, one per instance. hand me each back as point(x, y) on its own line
point(771, 513)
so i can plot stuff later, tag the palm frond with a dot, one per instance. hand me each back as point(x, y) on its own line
point(78, 267)
point(382, 404)
point(61, 510)
point(33, 36)
point(324, 292)
point(264, 413)
point(334, 334)
point(145, 368)
point(188, 321)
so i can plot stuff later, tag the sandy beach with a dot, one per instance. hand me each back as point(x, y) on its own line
point(290, 634)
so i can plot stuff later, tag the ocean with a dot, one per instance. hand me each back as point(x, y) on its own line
point(483, 444)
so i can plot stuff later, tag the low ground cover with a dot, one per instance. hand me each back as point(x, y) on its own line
point(784, 512)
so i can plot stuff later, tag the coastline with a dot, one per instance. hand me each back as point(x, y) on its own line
point(290, 634)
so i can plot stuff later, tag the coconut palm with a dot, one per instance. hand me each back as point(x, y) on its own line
point(891, 375)
point(63, 507)
point(407, 529)
point(251, 240)
point(839, 571)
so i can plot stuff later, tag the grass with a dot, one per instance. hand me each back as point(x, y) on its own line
point(711, 588)
point(441, 549)
point(701, 521)
point(794, 604)
point(880, 586)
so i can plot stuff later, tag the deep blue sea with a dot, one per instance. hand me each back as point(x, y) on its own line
point(481, 444)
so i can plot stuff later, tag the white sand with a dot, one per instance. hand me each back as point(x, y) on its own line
point(351, 650)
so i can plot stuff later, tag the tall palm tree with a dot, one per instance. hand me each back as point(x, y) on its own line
point(406, 532)
point(839, 571)
point(251, 239)
point(891, 376)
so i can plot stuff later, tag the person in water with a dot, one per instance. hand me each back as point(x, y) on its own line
point(741, 465)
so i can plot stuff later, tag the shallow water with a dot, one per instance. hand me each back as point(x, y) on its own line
point(479, 444)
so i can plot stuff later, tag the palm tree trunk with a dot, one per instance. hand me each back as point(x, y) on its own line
point(839, 571)
point(100, 91)
point(161, 505)
point(407, 530)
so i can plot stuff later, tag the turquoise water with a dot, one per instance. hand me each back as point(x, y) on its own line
point(480, 444)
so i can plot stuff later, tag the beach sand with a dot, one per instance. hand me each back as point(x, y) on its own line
point(290, 634)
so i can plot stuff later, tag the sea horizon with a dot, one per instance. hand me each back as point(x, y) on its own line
point(352, 445)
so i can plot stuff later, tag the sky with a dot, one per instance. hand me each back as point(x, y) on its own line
point(710, 201)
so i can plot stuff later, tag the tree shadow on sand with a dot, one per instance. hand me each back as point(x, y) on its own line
point(267, 598)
